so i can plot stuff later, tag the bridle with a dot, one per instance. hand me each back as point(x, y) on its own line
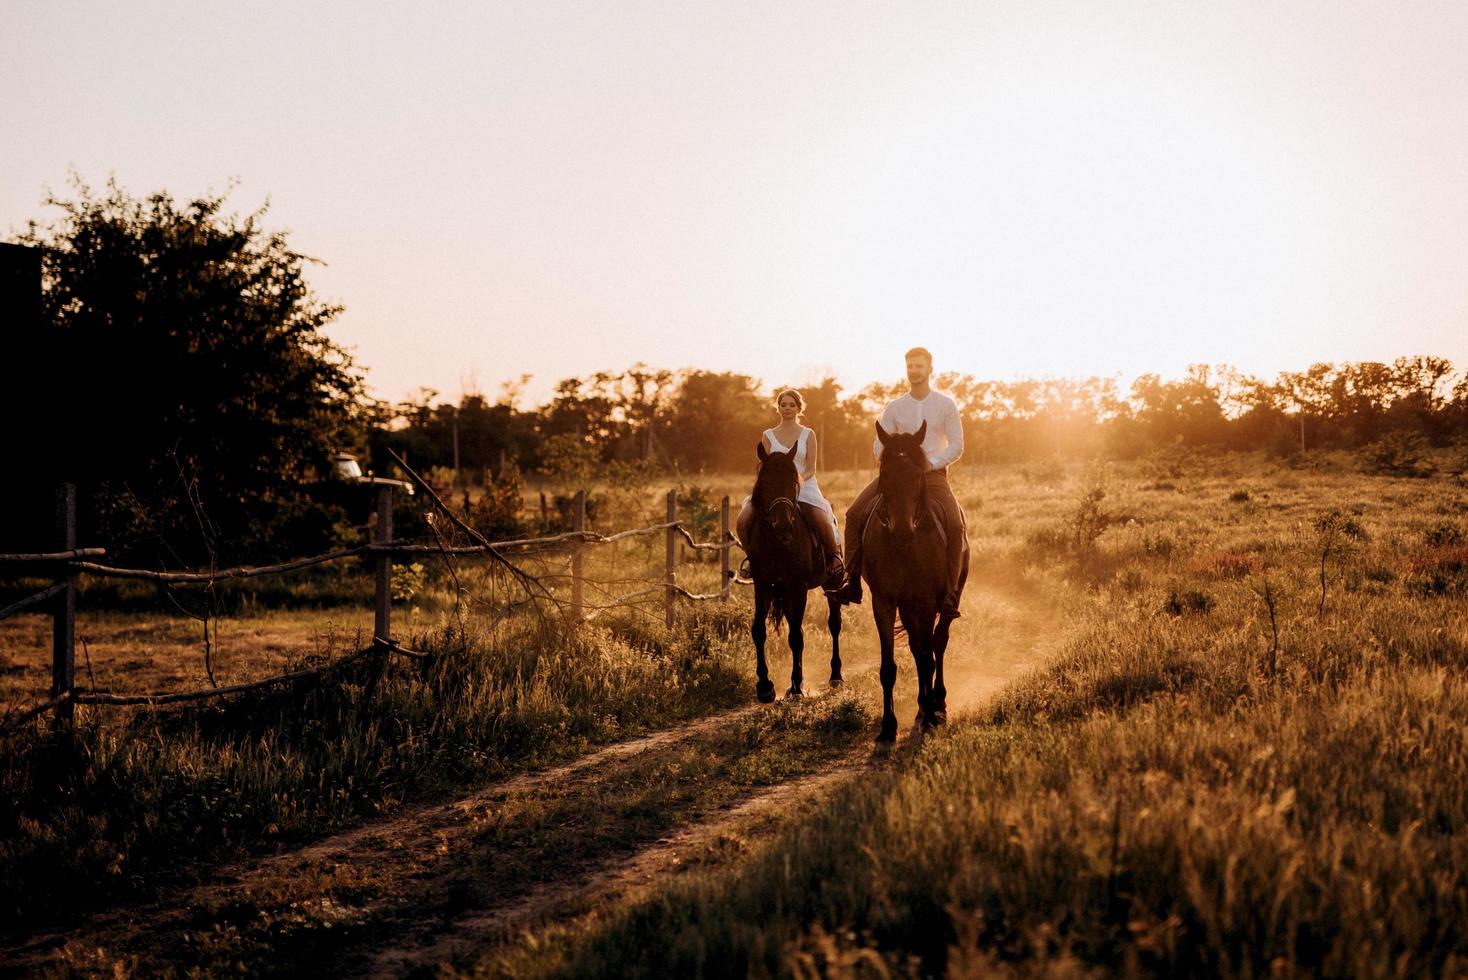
point(920, 505)
point(780, 502)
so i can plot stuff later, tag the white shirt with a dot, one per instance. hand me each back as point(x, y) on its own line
point(943, 442)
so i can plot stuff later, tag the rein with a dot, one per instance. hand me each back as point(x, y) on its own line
point(770, 509)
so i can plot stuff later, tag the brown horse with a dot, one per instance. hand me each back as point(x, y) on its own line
point(786, 563)
point(906, 569)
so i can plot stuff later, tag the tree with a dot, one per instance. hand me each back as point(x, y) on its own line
point(718, 418)
point(204, 385)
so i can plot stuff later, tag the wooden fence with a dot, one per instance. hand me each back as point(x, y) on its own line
point(68, 562)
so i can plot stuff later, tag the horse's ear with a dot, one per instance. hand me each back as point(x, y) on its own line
point(760, 450)
point(922, 431)
point(790, 453)
point(881, 434)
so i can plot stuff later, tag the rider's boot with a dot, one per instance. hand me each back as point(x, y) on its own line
point(851, 592)
point(835, 575)
point(955, 573)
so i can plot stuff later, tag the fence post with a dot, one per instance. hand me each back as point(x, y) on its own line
point(578, 523)
point(382, 626)
point(63, 618)
point(671, 566)
point(724, 545)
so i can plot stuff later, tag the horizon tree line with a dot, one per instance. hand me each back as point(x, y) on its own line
point(178, 371)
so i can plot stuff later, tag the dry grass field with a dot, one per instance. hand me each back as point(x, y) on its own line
point(1213, 722)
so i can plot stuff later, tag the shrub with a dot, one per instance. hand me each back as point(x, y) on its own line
point(1399, 455)
point(1337, 534)
point(1180, 602)
point(1443, 535)
point(1159, 545)
point(497, 512)
point(698, 511)
point(1088, 522)
point(408, 581)
point(1440, 571)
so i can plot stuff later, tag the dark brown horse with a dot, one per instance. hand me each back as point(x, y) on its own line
point(785, 563)
point(906, 569)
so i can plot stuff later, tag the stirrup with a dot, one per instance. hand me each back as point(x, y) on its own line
point(744, 570)
point(835, 581)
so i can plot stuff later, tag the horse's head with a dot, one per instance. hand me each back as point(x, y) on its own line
point(901, 480)
point(776, 488)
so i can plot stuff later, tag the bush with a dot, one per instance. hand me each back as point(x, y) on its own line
point(1159, 545)
point(1443, 536)
point(1181, 602)
point(698, 511)
point(497, 512)
point(1088, 522)
point(1399, 455)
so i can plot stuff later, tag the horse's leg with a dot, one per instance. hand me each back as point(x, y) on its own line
point(795, 618)
point(936, 712)
point(919, 624)
point(940, 690)
point(833, 623)
point(940, 647)
point(763, 689)
point(884, 613)
point(913, 644)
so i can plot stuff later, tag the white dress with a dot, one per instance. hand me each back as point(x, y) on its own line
point(810, 490)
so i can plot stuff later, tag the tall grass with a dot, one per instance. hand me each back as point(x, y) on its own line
point(106, 810)
point(1171, 795)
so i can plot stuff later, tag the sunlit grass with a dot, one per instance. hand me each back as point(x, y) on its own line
point(1188, 788)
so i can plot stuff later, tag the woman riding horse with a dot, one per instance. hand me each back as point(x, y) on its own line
point(791, 434)
point(785, 565)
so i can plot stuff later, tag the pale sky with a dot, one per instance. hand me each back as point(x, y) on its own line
point(786, 188)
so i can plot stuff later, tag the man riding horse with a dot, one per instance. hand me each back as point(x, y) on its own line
point(943, 445)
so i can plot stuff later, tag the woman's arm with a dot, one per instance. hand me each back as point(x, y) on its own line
point(810, 455)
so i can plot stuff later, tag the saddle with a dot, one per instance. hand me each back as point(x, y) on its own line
point(934, 512)
point(835, 581)
point(819, 555)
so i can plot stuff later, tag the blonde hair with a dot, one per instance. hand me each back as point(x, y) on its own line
point(799, 399)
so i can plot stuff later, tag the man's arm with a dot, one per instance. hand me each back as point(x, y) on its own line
point(953, 429)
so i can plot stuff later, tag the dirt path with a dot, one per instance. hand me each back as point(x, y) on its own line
point(451, 878)
point(617, 881)
point(1011, 637)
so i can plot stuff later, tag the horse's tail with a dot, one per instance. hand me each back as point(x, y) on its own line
point(777, 609)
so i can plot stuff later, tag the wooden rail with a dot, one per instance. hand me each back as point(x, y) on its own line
point(69, 562)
